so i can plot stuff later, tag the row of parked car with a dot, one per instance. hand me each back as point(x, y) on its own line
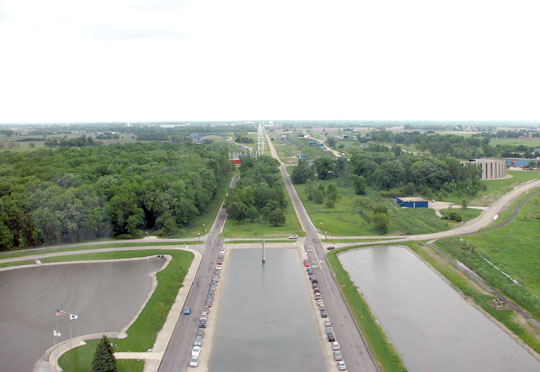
point(336, 348)
point(196, 351)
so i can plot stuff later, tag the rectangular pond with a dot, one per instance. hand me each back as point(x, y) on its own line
point(431, 326)
point(265, 320)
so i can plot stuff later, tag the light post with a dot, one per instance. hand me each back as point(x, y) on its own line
point(321, 228)
point(326, 235)
point(204, 227)
point(199, 237)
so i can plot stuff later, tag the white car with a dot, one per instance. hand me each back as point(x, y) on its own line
point(194, 362)
point(293, 236)
point(337, 355)
point(335, 346)
point(196, 352)
point(341, 365)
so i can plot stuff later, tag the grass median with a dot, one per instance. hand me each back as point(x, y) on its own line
point(143, 332)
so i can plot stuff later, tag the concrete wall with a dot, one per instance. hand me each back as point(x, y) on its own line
point(492, 169)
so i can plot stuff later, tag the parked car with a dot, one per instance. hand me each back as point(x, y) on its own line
point(328, 330)
point(311, 276)
point(204, 317)
point(335, 346)
point(194, 362)
point(317, 296)
point(323, 314)
point(195, 352)
point(293, 236)
point(310, 271)
point(330, 247)
point(200, 333)
point(341, 366)
point(306, 263)
point(327, 323)
point(331, 337)
point(187, 310)
point(337, 355)
point(202, 324)
point(198, 341)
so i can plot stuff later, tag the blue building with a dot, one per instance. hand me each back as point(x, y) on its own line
point(412, 202)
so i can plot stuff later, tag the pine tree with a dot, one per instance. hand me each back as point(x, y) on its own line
point(104, 360)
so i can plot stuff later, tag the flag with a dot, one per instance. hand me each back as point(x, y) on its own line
point(60, 312)
point(73, 316)
point(56, 333)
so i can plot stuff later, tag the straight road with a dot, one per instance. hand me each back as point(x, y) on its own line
point(355, 352)
point(176, 357)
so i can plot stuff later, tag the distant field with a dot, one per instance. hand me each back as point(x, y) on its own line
point(347, 218)
point(529, 142)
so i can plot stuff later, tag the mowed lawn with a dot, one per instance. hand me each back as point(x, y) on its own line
point(261, 229)
point(515, 248)
point(348, 218)
point(495, 188)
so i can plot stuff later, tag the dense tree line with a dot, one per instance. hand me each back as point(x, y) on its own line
point(80, 193)
point(258, 193)
point(72, 142)
point(403, 174)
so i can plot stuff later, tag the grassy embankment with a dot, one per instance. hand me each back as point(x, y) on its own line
point(466, 214)
point(512, 248)
point(259, 241)
point(348, 218)
point(143, 332)
point(248, 229)
point(381, 348)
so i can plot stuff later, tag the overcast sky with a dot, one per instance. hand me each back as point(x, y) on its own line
point(138, 60)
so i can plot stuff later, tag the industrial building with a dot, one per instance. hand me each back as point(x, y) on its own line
point(415, 202)
point(492, 168)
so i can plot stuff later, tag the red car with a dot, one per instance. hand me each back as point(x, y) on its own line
point(306, 263)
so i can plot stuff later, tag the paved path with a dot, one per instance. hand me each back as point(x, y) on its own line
point(355, 351)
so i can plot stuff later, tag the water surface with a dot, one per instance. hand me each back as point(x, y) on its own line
point(431, 326)
point(105, 296)
point(265, 320)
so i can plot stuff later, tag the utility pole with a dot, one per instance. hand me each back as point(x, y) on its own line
point(263, 259)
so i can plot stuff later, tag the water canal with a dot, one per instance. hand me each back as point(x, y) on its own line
point(105, 296)
point(431, 326)
point(265, 321)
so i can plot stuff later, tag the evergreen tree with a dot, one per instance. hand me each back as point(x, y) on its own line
point(104, 360)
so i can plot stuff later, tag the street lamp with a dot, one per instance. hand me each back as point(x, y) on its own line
point(199, 237)
point(204, 227)
point(326, 235)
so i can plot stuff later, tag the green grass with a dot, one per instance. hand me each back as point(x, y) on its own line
point(494, 189)
point(347, 218)
point(529, 142)
point(513, 248)
point(81, 357)
point(143, 332)
point(246, 229)
point(466, 214)
point(380, 346)
point(22, 253)
point(16, 263)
